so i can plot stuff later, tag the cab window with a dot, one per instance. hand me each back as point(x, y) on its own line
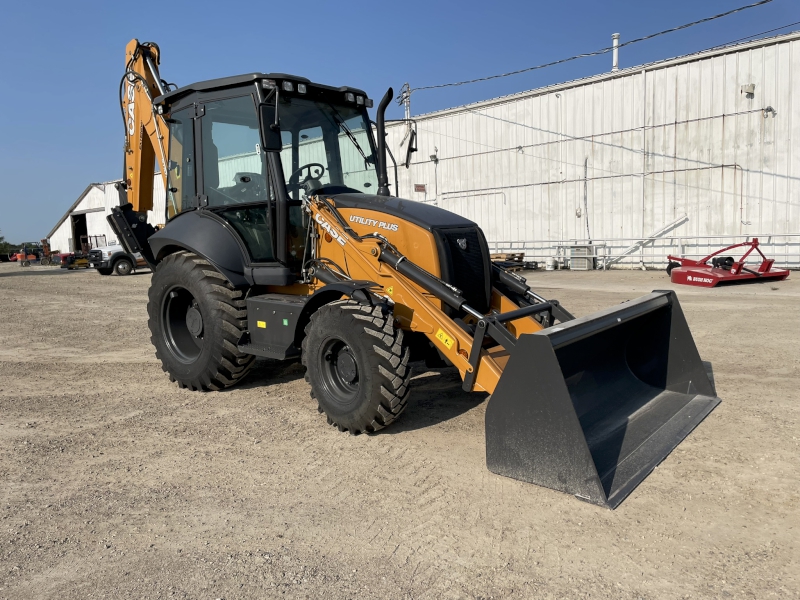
point(235, 176)
point(180, 173)
point(234, 167)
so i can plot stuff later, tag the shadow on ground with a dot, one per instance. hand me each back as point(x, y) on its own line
point(28, 271)
point(436, 394)
point(268, 372)
point(436, 397)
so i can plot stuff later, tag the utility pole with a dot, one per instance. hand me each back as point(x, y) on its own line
point(405, 100)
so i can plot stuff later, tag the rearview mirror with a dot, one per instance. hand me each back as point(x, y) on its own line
point(270, 130)
point(412, 147)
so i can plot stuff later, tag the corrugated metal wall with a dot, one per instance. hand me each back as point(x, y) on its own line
point(629, 153)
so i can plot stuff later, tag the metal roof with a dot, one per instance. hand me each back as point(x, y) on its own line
point(695, 56)
point(75, 204)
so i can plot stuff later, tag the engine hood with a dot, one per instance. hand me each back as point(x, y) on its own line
point(424, 215)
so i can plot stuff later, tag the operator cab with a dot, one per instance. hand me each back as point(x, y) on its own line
point(325, 146)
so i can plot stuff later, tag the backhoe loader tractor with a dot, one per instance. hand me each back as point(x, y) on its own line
point(282, 240)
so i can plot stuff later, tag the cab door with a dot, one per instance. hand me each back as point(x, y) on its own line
point(235, 182)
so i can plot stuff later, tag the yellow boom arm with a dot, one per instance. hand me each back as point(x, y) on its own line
point(145, 130)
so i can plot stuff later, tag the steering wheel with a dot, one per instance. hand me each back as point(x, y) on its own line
point(294, 178)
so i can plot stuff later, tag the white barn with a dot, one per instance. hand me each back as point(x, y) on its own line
point(87, 216)
point(623, 156)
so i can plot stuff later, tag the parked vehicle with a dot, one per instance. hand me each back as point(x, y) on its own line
point(114, 259)
point(73, 260)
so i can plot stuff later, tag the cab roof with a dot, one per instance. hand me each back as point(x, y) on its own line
point(242, 80)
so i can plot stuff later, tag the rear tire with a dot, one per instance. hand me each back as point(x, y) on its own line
point(45, 262)
point(196, 319)
point(671, 266)
point(123, 267)
point(26, 263)
point(357, 365)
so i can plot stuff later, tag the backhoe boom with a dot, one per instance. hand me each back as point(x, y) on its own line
point(145, 129)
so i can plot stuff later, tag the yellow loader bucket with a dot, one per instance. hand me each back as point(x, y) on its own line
point(591, 406)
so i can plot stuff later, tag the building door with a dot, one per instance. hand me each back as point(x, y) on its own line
point(79, 232)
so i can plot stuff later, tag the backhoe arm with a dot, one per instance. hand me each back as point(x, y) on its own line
point(145, 129)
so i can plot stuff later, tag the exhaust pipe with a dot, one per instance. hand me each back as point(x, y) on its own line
point(383, 176)
point(591, 406)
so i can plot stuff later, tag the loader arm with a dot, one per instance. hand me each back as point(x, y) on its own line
point(415, 303)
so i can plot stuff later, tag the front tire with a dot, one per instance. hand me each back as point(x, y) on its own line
point(357, 365)
point(196, 319)
point(123, 267)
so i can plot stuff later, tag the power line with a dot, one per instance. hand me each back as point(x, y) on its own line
point(588, 54)
point(754, 35)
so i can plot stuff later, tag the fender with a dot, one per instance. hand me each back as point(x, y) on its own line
point(357, 290)
point(121, 254)
point(209, 236)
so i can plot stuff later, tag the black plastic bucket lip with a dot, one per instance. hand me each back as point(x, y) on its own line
point(583, 327)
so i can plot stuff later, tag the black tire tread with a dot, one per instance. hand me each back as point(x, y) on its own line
point(391, 356)
point(229, 365)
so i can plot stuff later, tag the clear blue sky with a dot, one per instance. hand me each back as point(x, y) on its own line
point(61, 62)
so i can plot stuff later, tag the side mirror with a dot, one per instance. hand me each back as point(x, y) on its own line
point(412, 147)
point(270, 130)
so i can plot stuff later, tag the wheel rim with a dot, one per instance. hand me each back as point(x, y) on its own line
point(339, 372)
point(124, 268)
point(182, 325)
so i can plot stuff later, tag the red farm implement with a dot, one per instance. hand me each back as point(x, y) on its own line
point(723, 269)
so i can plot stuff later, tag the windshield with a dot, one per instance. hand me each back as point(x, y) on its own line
point(325, 145)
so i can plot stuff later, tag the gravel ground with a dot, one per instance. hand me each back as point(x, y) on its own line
point(116, 484)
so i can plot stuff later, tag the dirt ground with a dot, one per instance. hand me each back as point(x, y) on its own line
point(116, 484)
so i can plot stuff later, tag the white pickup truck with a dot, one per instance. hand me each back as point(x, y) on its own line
point(114, 259)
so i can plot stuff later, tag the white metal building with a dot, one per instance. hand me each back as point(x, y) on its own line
point(623, 156)
point(87, 216)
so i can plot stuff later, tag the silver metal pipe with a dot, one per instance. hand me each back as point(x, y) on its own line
point(536, 296)
point(471, 311)
point(154, 72)
point(615, 59)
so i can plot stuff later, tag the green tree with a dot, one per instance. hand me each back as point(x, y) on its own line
point(7, 247)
